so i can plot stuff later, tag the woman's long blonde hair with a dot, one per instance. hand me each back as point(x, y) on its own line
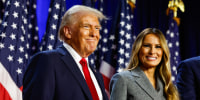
point(164, 68)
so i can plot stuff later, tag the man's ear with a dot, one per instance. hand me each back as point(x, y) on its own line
point(67, 32)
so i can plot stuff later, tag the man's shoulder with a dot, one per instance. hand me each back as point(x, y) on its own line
point(53, 52)
point(46, 52)
point(193, 59)
point(190, 63)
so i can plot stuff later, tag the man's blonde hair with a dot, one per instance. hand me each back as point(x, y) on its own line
point(69, 18)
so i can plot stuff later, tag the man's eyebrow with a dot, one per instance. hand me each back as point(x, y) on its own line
point(89, 24)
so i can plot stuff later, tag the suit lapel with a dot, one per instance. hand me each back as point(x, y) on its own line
point(99, 80)
point(96, 74)
point(73, 67)
point(144, 83)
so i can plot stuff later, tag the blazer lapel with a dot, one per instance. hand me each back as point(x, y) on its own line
point(144, 83)
point(73, 67)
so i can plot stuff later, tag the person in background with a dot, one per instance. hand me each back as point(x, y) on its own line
point(188, 79)
point(148, 75)
point(64, 73)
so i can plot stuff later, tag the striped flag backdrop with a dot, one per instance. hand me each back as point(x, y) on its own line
point(19, 40)
point(14, 49)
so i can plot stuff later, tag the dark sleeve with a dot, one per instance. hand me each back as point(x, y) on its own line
point(102, 86)
point(186, 81)
point(39, 80)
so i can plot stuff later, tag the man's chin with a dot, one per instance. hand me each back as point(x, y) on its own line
point(92, 48)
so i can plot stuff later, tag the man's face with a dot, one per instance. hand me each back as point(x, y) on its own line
point(84, 34)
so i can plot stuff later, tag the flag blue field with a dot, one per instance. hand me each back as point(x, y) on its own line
point(33, 36)
point(172, 36)
point(56, 11)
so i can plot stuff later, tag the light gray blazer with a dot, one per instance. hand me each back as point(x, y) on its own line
point(134, 85)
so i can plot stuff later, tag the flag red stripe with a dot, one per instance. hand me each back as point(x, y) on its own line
point(106, 82)
point(8, 85)
point(21, 88)
point(107, 72)
point(4, 95)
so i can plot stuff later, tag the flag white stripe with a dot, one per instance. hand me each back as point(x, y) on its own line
point(5, 79)
point(106, 69)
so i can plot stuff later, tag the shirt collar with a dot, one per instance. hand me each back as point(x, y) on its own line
point(73, 53)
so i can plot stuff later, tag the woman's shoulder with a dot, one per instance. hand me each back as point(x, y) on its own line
point(124, 74)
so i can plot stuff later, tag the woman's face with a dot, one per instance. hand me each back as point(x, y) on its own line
point(150, 54)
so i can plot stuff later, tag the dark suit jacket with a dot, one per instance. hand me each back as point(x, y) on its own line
point(54, 75)
point(188, 79)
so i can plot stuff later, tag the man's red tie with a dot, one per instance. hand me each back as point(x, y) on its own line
point(88, 79)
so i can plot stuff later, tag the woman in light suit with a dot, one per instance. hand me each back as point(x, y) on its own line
point(148, 75)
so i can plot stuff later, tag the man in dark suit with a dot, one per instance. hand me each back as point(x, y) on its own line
point(188, 79)
point(58, 74)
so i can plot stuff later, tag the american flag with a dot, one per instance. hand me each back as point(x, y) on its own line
point(172, 36)
point(114, 48)
point(14, 49)
point(56, 11)
point(33, 37)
